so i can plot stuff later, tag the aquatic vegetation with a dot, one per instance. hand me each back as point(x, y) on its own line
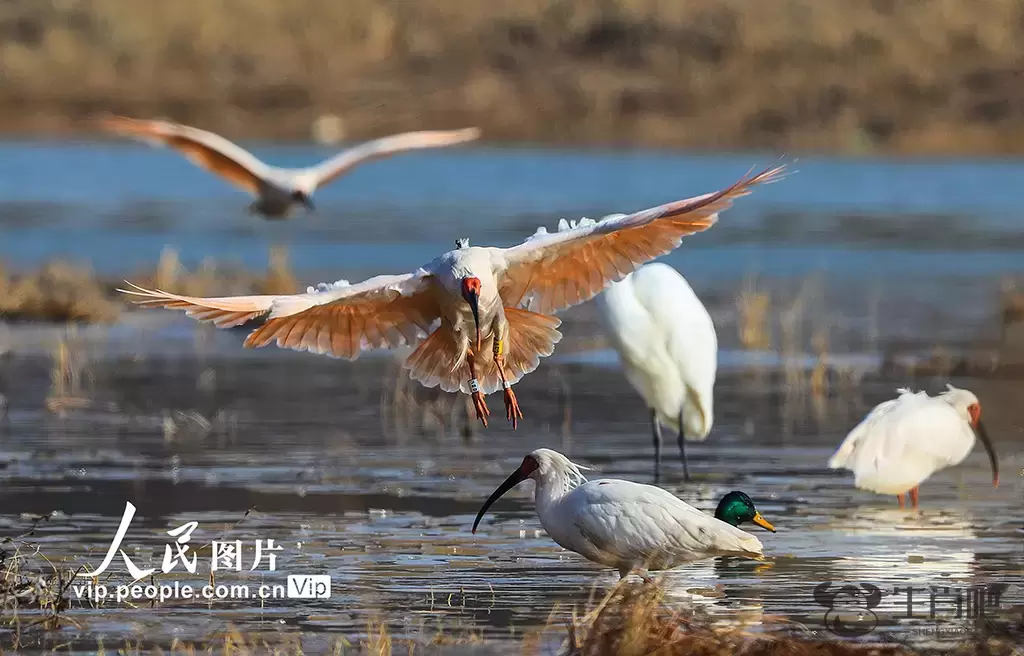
point(280, 279)
point(629, 620)
point(62, 292)
point(634, 620)
point(753, 323)
point(30, 581)
point(59, 291)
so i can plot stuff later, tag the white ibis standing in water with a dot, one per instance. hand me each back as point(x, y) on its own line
point(277, 190)
point(629, 526)
point(669, 351)
point(466, 309)
point(907, 439)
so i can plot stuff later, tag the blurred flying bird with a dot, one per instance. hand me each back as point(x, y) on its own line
point(629, 526)
point(277, 190)
point(467, 310)
point(669, 351)
point(907, 439)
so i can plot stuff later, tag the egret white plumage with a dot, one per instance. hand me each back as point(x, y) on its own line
point(903, 441)
point(667, 344)
point(466, 308)
point(629, 526)
point(277, 190)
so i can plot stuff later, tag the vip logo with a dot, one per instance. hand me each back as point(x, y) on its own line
point(309, 586)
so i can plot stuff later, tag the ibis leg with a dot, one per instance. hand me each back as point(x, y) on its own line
point(913, 496)
point(682, 448)
point(656, 430)
point(899, 497)
point(639, 571)
point(512, 411)
point(478, 397)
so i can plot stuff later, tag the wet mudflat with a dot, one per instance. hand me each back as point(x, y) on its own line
point(828, 292)
point(356, 475)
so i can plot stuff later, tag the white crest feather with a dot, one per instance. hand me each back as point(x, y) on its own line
point(576, 478)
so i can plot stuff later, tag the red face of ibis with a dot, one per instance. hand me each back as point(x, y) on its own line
point(974, 410)
point(471, 292)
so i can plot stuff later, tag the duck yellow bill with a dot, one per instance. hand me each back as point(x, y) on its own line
point(762, 522)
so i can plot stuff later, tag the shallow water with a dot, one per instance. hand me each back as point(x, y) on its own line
point(354, 480)
point(387, 512)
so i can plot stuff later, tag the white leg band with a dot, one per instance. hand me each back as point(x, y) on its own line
point(506, 384)
point(474, 386)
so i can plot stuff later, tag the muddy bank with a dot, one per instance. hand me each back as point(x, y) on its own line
point(922, 77)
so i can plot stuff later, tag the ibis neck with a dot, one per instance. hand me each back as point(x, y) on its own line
point(553, 487)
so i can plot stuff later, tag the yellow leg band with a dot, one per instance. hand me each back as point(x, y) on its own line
point(499, 347)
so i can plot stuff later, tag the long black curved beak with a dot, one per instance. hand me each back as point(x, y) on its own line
point(979, 430)
point(474, 304)
point(514, 479)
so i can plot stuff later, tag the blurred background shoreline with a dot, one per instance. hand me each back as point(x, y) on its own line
point(879, 76)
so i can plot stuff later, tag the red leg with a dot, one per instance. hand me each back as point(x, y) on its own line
point(478, 397)
point(913, 496)
point(512, 411)
point(899, 497)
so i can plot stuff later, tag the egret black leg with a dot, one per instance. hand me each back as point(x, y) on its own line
point(682, 448)
point(656, 429)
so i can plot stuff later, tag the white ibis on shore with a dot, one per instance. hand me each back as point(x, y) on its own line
point(628, 526)
point(277, 190)
point(902, 442)
point(466, 310)
point(667, 344)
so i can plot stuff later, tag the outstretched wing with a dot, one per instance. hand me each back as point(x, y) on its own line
point(204, 149)
point(222, 311)
point(554, 271)
point(309, 179)
point(340, 320)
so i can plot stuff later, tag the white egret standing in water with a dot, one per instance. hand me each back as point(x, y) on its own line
point(668, 347)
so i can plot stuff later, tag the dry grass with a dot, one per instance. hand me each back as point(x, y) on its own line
point(63, 292)
point(29, 581)
point(634, 620)
point(1011, 307)
point(60, 291)
point(919, 76)
point(279, 279)
point(754, 321)
point(797, 326)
